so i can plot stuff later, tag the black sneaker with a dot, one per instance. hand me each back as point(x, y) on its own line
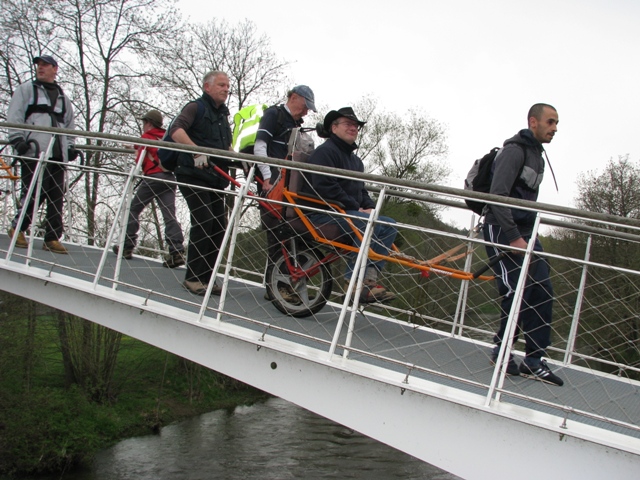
point(512, 366)
point(538, 370)
point(127, 253)
point(173, 260)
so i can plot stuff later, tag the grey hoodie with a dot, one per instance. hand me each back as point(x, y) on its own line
point(511, 160)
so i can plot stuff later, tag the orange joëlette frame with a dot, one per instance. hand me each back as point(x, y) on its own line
point(7, 168)
point(397, 258)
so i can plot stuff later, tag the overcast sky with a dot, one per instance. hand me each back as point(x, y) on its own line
point(476, 66)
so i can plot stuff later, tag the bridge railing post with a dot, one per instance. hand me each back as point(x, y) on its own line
point(121, 215)
point(356, 282)
point(228, 241)
point(506, 346)
point(575, 321)
point(36, 183)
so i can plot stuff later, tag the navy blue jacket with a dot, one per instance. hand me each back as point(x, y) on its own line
point(350, 192)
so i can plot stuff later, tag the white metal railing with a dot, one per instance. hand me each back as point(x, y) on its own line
point(596, 327)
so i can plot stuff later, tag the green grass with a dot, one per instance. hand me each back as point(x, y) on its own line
point(45, 427)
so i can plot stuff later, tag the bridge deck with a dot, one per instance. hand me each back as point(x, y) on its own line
point(406, 349)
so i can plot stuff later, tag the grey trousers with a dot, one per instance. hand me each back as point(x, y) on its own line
point(165, 195)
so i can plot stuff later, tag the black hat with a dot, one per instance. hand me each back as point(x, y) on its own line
point(346, 112)
point(46, 59)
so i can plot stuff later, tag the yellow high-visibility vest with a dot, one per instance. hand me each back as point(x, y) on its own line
point(245, 126)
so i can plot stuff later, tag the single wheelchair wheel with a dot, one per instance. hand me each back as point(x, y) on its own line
point(303, 297)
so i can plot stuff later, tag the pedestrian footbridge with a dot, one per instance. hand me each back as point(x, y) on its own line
point(414, 374)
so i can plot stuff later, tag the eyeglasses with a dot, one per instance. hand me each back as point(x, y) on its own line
point(351, 125)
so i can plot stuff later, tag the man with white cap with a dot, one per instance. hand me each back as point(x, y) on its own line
point(42, 102)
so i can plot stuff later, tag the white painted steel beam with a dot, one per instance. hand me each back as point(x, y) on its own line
point(440, 425)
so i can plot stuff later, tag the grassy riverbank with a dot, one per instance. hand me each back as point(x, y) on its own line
point(46, 426)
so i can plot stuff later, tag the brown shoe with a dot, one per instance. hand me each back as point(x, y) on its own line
point(195, 287)
point(54, 246)
point(21, 241)
point(373, 293)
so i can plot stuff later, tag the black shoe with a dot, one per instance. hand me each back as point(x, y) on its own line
point(538, 370)
point(512, 366)
point(127, 253)
point(173, 260)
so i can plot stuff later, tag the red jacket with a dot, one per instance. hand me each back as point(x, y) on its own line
point(151, 162)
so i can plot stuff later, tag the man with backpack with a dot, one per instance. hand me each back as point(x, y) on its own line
point(42, 102)
point(276, 124)
point(272, 140)
point(204, 122)
point(518, 170)
point(157, 186)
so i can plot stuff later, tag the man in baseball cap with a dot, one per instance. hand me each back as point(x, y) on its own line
point(46, 59)
point(43, 103)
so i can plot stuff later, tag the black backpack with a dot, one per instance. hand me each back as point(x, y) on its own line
point(480, 176)
point(169, 158)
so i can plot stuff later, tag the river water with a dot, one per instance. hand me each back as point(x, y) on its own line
point(268, 441)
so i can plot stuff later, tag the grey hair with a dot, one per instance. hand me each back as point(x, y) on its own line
point(209, 77)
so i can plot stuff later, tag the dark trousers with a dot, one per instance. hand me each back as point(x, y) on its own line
point(208, 224)
point(165, 194)
point(534, 320)
point(52, 192)
point(381, 243)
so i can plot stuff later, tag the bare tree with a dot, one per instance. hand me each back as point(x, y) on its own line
point(616, 328)
point(616, 191)
point(255, 72)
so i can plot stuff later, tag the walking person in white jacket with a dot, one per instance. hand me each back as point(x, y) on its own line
point(42, 102)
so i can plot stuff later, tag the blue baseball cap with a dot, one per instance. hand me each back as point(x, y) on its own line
point(306, 93)
point(46, 59)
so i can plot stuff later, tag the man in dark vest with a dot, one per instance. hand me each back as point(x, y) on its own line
point(42, 102)
point(204, 122)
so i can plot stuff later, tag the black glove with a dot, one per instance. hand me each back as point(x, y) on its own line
point(72, 153)
point(21, 147)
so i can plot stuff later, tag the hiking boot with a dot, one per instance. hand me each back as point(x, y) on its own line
point(512, 366)
point(373, 293)
point(54, 246)
point(127, 253)
point(199, 288)
point(195, 287)
point(289, 295)
point(21, 241)
point(538, 370)
point(173, 260)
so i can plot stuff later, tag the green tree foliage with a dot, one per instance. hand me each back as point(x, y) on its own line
point(609, 329)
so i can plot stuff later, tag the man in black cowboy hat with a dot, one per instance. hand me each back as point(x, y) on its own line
point(343, 126)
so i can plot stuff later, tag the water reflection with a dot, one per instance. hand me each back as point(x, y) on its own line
point(271, 440)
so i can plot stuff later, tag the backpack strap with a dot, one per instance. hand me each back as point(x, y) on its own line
point(34, 107)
